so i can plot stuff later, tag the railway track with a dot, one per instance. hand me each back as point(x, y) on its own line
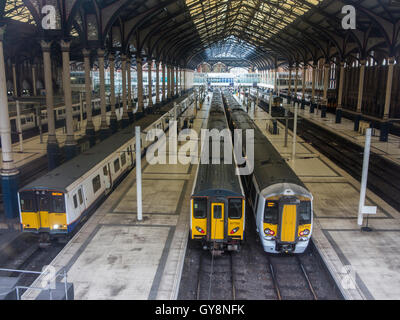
point(215, 277)
point(290, 278)
point(252, 274)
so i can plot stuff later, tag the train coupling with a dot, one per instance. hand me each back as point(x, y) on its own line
point(44, 241)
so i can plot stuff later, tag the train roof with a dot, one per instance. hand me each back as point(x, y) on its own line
point(66, 174)
point(269, 166)
point(217, 179)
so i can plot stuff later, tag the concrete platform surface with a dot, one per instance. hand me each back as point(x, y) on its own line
point(389, 150)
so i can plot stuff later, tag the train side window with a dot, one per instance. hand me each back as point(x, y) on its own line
point(23, 121)
point(75, 202)
point(80, 196)
point(304, 212)
point(271, 212)
point(123, 159)
point(235, 208)
point(28, 203)
point(200, 208)
point(105, 171)
point(117, 165)
point(96, 184)
point(58, 203)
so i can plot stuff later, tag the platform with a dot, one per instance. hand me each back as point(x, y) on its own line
point(364, 265)
point(114, 256)
point(389, 150)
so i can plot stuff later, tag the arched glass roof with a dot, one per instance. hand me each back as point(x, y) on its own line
point(17, 10)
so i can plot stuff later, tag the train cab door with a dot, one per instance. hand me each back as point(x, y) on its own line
point(43, 201)
point(217, 221)
point(289, 223)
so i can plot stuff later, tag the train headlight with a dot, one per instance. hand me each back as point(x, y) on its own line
point(56, 226)
point(200, 230)
point(305, 233)
point(269, 232)
point(235, 230)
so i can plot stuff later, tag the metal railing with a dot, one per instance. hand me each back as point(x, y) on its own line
point(49, 281)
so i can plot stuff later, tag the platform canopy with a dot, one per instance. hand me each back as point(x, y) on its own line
point(255, 33)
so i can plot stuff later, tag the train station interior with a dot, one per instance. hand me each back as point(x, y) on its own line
point(200, 150)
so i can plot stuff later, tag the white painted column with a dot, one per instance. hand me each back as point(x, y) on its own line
point(125, 116)
point(294, 132)
point(361, 86)
point(129, 83)
point(296, 82)
point(34, 91)
point(19, 127)
point(303, 91)
point(176, 81)
point(341, 83)
point(9, 172)
point(157, 82)
point(140, 83)
point(163, 81)
point(103, 126)
point(139, 174)
point(48, 82)
point(8, 166)
point(168, 81)
point(111, 59)
point(14, 71)
point(313, 83)
point(389, 85)
point(70, 141)
point(150, 84)
point(184, 80)
point(88, 92)
point(326, 82)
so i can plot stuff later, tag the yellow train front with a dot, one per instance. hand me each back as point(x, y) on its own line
point(218, 202)
point(217, 220)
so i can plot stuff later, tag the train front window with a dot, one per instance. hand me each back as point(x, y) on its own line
point(28, 203)
point(58, 203)
point(200, 208)
point(217, 212)
point(304, 210)
point(235, 208)
point(44, 203)
point(271, 212)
